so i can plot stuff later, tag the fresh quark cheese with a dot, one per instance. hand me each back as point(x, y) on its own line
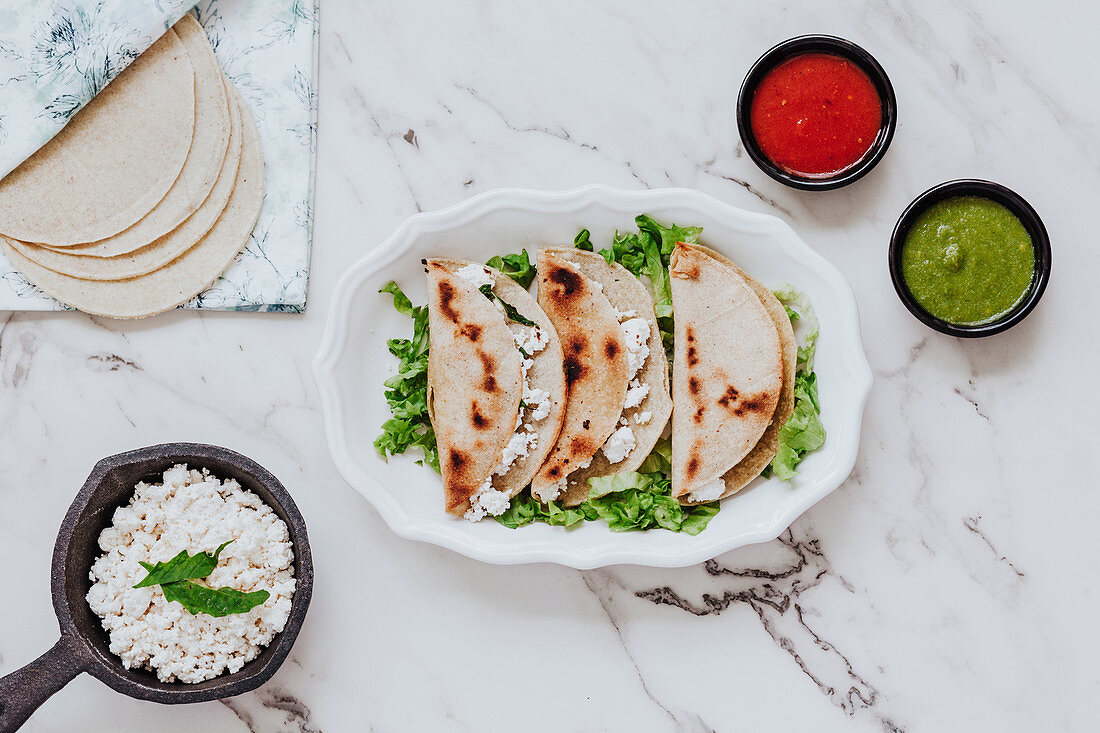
point(477, 275)
point(619, 445)
point(710, 492)
point(193, 511)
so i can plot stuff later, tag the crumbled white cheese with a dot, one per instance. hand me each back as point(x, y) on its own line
point(635, 393)
point(537, 401)
point(477, 275)
point(619, 445)
point(531, 339)
point(192, 511)
point(558, 489)
point(643, 417)
point(487, 501)
point(636, 331)
point(709, 492)
point(519, 445)
point(623, 315)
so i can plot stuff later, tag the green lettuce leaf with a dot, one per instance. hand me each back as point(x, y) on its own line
point(516, 266)
point(407, 391)
point(803, 432)
point(627, 501)
point(647, 254)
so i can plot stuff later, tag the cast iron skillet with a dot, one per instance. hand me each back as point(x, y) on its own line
point(83, 646)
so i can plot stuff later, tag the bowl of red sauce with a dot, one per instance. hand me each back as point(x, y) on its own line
point(816, 112)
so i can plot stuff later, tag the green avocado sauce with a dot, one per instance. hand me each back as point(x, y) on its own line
point(968, 260)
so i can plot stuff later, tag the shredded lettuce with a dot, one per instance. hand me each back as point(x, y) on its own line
point(626, 501)
point(647, 254)
point(407, 391)
point(803, 432)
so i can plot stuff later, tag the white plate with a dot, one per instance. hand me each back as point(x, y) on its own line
point(353, 362)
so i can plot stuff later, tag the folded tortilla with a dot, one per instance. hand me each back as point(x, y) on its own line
point(482, 391)
point(596, 377)
point(643, 421)
point(764, 451)
point(727, 372)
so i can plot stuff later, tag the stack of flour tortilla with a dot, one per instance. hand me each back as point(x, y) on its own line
point(574, 385)
point(149, 192)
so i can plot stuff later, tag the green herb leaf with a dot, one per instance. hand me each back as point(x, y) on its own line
point(181, 567)
point(583, 240)
point(511, 312)
point(516, 266)
point(212, 601)
point(407, 391)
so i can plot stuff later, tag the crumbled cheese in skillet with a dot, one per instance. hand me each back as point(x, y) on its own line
point(477, 275)
point(643, 417)
point(193, 511)
point(619, 445)
point(621, 316)
point(710, 492)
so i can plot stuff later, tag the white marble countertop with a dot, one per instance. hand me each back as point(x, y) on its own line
point(947, 585)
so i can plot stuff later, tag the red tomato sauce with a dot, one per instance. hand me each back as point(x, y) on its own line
point(815, 115)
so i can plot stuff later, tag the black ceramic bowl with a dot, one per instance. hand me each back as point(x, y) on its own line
point(818, 44)
point(84, 645)
point(1014, 203)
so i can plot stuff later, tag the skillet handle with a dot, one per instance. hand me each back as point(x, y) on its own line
point(22, 691)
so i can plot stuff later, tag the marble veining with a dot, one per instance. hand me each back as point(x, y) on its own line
point(949, 584)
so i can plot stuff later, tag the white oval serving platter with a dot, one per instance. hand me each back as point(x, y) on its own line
point(352, 362)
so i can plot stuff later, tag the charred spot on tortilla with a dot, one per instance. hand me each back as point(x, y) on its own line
point(569, 281)
point(611, 348)
point(692, 352)
point(446, 295)
point(470, 331)
point(756, 403)
point(581, 446)
point(693, 462)
point(728, 397)
point(554, 472)
point(480, 421)
point(586, 424)
point(574, 369)
point(699, 412)
point(458, 459)
point(694, 386)
point(488, 363)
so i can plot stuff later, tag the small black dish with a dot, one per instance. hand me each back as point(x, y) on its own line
point(819, 44)
point(1013, 202)
point(84, 645)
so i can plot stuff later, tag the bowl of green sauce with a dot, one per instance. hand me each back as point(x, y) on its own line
point(970, 258)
